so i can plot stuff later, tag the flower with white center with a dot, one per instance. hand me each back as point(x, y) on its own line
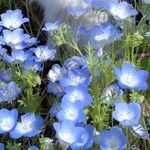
point(102, 35)
point(29, 126)
point(17, 57)
point(130, 78)
point(75, 62)
point(111, 93)
point(56, 73)
point(76, 77)
point(72, 112)
point(114, 139)
point(87, 139)
point(78, 95)
point(68, 133)
point(8, 120)
point(44, 53)
point(13, 19)
point(17, 39)
point(127, 114)
point(122, 10)
point(50, 27)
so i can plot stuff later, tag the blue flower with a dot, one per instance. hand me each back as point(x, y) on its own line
point(30, 64)
point(72, 112)
point(122, 10)
point(87, 139)
point(9, 92)
point(75, 62)
point(127, 114)
point(44, 53)
point(77, 94)
point(68, 133)
point(8, 120)
point(29, 126)
point(12, 19)
point(33, 148)
point(130, 78)
point(17, 57)
point(111, 93)
point(5, 75)
point(55, 88)
point(17, 39)
point(140, 132)
point(51, 27)
point(1, 146)
point(55, 109)
point(102, 35)
point(76, 11)
point(113, 139)
point(76, 77)
point(56, 73)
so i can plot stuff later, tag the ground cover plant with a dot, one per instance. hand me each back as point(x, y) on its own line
point(63, 94)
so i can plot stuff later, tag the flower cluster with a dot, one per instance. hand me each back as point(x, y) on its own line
point(98, 100)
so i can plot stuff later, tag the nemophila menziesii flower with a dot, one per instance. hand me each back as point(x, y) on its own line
point(55, 88)
point(5, 75)
point(102, 35)
point(55, 109)
point(56, 73)
point(140, 132)
point(8, 120)
point(86, 139)
point(72, 112)
point(30, 64)
point(13, 19)
point(76, 11)
point(33, 148)
point(76, 77)
point(77, 94)
point(75, 62)
point(44, 53)
point(113, 139)
point(122, 10)
point(17, 57)
point(128, 114)
point(51, 27)
point(131, 78)
point(111, 93)
point(67, 133)
point(1, 146)
point(9, 92)
point(17, 39)
point(29, 126)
